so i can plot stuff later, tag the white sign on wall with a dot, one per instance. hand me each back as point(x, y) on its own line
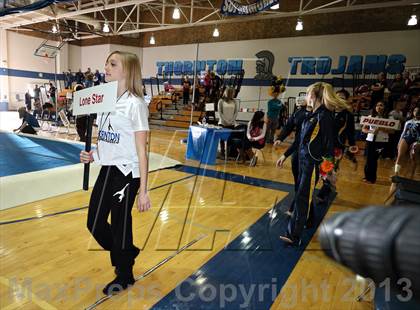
point(95, 99)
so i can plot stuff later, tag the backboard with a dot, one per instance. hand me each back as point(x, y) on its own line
point(45, 50)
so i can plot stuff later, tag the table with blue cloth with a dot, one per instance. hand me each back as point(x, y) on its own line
point(203, 142)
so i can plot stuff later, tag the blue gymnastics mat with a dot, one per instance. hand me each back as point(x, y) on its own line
point(22, 154)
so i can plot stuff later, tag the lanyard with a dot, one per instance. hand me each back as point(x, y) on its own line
point(102, 124)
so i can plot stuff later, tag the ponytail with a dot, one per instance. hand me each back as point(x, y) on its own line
point(324, 92)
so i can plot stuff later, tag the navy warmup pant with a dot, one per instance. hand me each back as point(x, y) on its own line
point(303, 208)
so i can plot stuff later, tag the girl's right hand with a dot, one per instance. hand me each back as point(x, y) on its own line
point(281, 161)
point(86, 157)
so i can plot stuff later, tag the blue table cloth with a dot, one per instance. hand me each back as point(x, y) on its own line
point(203, 141)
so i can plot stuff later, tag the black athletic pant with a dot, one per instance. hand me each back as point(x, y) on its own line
point(186, 97)
point(114, 193)
point(373, 151)
point(28, 129)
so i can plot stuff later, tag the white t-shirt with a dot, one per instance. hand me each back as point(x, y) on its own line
point(380, 135)
point(116, 140)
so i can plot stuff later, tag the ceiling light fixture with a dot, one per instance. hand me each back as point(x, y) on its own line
point(176, 14)
point(412, 21)
point(216, 32)
point(299, 25)
point(105, 28)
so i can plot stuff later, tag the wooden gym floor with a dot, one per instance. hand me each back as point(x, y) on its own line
point(51, 262)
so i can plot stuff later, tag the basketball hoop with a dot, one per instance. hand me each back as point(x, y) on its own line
point(47, 50)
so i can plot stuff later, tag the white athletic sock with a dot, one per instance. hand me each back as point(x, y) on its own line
point(397, 168)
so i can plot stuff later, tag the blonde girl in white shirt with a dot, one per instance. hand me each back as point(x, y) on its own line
point(122, 153)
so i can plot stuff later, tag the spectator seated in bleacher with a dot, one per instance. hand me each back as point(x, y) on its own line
point(168, 87)
point(29, 123)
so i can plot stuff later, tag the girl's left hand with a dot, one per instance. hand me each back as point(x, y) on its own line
point(143, 202)
point(332, 178)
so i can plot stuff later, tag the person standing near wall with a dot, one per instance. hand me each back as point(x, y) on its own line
point(80, 78)
point(207, 84)
point(37, 92)
point(96, 78)
point(274, 107)
point(122, 153)
point(397, 89)
point(378, 90)
point(376, 141)
point(186, 87)
point(52, 94)
point(228, 111)
point(88, 78)
point(28, 101)
point(68, 79)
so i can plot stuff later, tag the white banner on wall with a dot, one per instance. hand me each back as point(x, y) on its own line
point(95, 99)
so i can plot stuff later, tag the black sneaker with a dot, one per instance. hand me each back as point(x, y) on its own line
point(289, 241)
point(118, 284)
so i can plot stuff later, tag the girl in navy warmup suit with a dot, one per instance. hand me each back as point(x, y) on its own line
point(316, 142)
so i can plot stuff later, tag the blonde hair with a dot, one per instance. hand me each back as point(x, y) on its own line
point(131, 66)
point(229, 93)
point(324, 92)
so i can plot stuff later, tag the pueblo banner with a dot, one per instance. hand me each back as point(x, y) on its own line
point(380, 122)
point(95, 99)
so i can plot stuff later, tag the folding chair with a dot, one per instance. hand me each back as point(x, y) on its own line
point(45, 118)
point(65, 121)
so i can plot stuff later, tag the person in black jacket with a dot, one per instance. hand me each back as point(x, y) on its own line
point(344, 123)
point(317, 140)
point(378, 89)
point(294, 122)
